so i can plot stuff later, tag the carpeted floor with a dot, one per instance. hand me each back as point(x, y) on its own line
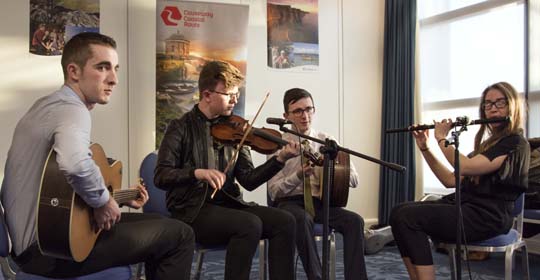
point(387, 265)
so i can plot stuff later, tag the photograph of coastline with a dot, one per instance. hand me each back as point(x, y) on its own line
point(293, 35)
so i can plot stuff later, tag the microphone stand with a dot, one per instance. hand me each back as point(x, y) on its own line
point(330, 150)
point(457, 174)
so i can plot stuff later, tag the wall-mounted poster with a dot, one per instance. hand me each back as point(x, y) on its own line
point(54, 22)
point(189, 34)
point(293, 34)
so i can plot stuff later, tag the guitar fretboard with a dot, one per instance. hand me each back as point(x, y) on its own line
point(123, 196)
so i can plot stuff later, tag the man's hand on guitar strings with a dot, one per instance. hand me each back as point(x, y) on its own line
point(107, 215)
point(141, 199)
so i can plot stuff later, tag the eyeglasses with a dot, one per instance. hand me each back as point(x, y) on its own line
point(299, 112)
point(499, 103)
point(230, 95)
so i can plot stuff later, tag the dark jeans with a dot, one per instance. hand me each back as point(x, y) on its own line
point(349, 224)
point(165, 245)
point(241, 229)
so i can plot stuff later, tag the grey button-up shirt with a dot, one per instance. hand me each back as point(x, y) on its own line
point(60, 121)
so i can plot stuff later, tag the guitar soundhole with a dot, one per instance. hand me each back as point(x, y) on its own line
point(54, 202)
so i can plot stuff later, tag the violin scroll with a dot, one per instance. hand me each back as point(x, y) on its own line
point(315, 158)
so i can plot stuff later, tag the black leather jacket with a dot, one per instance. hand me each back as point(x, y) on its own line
point(184, 148)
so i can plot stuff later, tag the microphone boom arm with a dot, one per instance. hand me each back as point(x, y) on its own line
point(390, 165)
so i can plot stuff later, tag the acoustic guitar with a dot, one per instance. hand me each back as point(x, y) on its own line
point(65, 223)
point(339, 193)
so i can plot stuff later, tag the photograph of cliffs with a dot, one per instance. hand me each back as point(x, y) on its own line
point(293, 34)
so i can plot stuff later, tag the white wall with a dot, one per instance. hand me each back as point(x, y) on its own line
point(25, 77)
point(347, 89)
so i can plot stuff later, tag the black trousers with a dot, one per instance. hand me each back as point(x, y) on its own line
point(349, 224)
point(414, 222)
point(165, 245)
point(241, 229)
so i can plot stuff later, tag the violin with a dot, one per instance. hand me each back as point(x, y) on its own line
point(263, 140)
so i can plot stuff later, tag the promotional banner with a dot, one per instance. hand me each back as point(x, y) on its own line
point(54, 22)
point(293, 34)
point(189, 34)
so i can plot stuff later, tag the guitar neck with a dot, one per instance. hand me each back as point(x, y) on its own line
point(123, 196)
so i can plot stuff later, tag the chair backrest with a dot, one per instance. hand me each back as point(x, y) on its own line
point(156, 202)
point(517, 213)
point(518, 205)
point(4, 237)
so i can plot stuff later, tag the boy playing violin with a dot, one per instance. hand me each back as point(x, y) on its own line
point(190, 167)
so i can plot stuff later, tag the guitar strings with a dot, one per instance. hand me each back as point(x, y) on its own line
point(125, 195)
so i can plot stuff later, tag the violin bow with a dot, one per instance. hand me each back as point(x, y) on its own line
point(246, 133)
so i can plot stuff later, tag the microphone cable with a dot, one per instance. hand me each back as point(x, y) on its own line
point(465, 245)
point(303, 161)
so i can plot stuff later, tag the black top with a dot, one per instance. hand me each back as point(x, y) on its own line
point(511, 179)
point(492, 199)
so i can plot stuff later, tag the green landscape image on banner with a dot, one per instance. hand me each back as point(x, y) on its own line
point(189, 34)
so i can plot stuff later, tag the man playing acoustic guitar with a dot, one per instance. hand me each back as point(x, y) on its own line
point(61, 121)
point(287, 188)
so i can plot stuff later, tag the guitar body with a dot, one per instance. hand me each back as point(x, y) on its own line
point(64, 221)
point(339, 195)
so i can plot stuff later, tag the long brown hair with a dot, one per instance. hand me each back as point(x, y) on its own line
point(483, 140)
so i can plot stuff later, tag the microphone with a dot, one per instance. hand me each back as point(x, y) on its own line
point(464, 120)
point(277, 121)
point(460, 121)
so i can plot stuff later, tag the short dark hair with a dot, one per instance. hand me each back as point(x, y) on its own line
point(294, 94)
point(78, 49)
point(215, 71)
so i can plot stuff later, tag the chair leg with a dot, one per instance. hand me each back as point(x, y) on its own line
point(332, 256)
point(7, 271)
point(138, 273)
point(452, 259)
point(297, 257)
point(525, 262)
point(508, 263)
point(199, 262)
point(263, 263)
